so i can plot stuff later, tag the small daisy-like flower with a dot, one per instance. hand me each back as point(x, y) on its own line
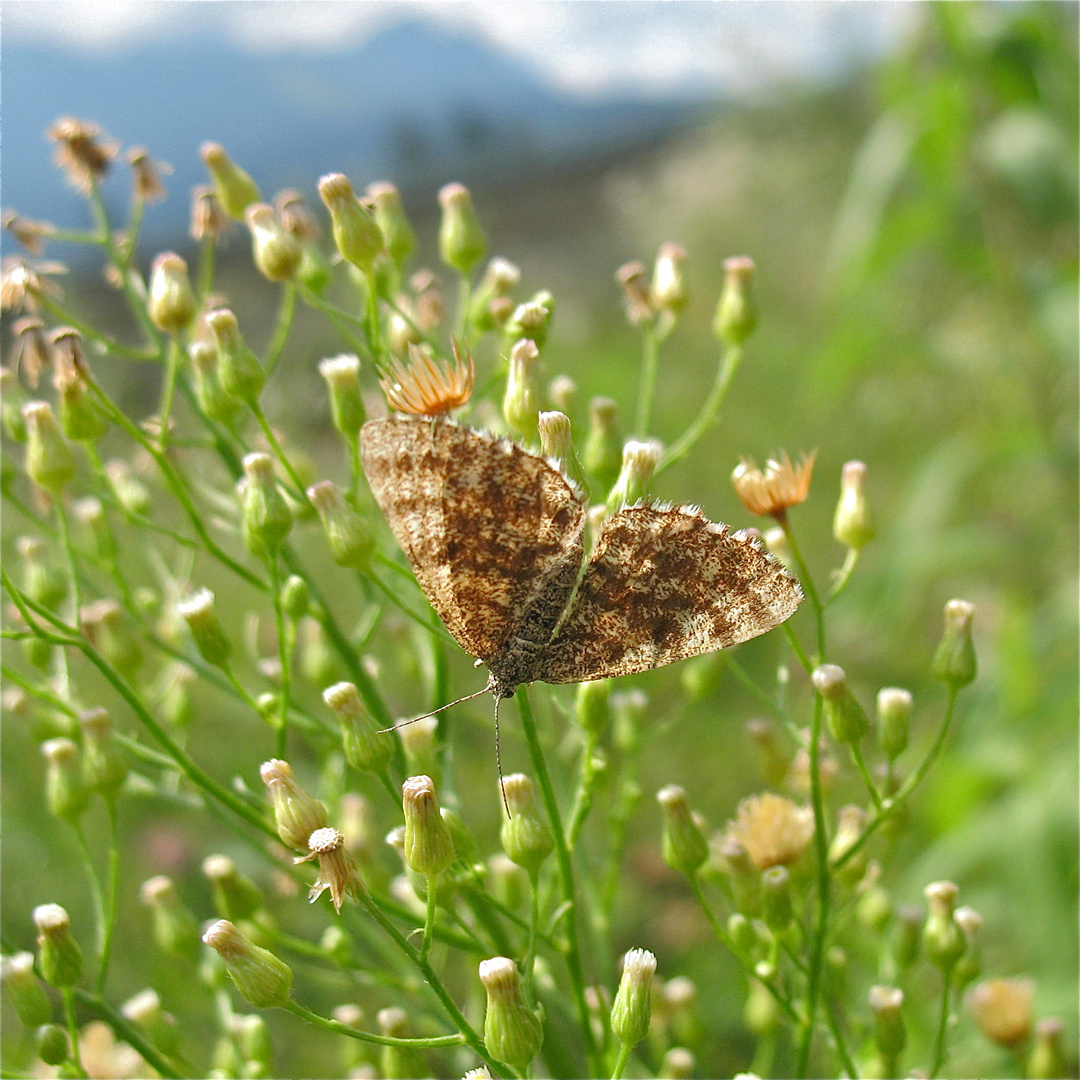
point(337, 871)
point(770, 491)
point(81, 152)
point(147, 174)
point(429, 387)
point(30, 233)
point(775, 831)
point(23, 282)
point(1001, 1009)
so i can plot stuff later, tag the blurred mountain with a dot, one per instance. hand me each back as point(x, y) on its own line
point(416, 103)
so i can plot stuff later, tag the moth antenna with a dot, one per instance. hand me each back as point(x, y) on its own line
point(441, 708)
point(498, 759)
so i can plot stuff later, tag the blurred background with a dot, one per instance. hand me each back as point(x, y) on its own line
point(904, 176)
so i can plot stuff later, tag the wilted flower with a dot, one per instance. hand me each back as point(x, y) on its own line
point(32, 352)
point(80, 151)
point(147, 174)
point(775, 831)
point(295, 216)
point(208, 220)
point(771, 491)
point(429, 387)
point(23, 284)
point(337, 871)
point(30, 233)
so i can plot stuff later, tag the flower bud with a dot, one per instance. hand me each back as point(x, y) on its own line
point(1047, 1060)
point(736, 312)
point(907, 939)
point(234, 189)
point(685, 849)
point(776, 903)
point(853, 522)
point(81, 417)
point(524, 835)
point(393, 223)
point(44, 582)
point(631, 1010)
point(351, 539)
point(277, 253)
point(110, 631)
point(261, 978)
point(942, 939)
point(53, 1045)
point(131, 493)
point(462, 243)
point(846, 718)
point(173, 925)
point(49, 461)
point(103, 766)
point(562, 390)
point(531, 320)
point(602, 455)
point(668, 289)
point(1001, 1009)
point(521, 402)
point(171, 303)
point(635, 286)
point(429, 847)
point(744, 876)
point(239, 372)
point(591, 707)
point(295, 597)
point(28, 996)
point(255, 1047)
point(365, 749)
point(556, 442)
point(490, 305)
point(59, 955)
point(889, 1030)
point(849, 831)
point(207, 221)
point(419, 746)
point(145, 1012)
point(678, 1064)
point(296, 814)
point(356, 232)
point(399, 1061)
point(893, 720)
point(954, 662)
point(236, 896)
point(969, 966)
point(210, 395)
point(266, 517)
point(639, 461)
point(65, 789)
point(12, 398)
point(318, 662)
point(742, 933)
point(200, 614)
point(777, 542)
point(512, 1031)
point(342, 375)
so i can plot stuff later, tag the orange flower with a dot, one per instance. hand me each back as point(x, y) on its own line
point(429, 387)
point(771, 491)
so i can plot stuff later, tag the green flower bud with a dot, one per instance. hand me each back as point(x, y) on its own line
point(235, 894)
point(277, 253)
point(171, 303)
point(462, 243)
point(342, 375)
point(420, 748)
point(893, 720)
point(942, 939)
point(49, 461)
point(27, 994)
point(366, 750)
point(295, 597)
point(591, 707)
point(81, 417)
point(103, 765)
point(212, 399)
point(776, 903)
point(512, 1031)
point(685, 849)
point(874, 908)
point(531, 320)
point(145, 1012)
point(315, 269)
point(65, 789)
point(521, 402)
point(266, 517)
point(356, 232)
point(524, 835)
point(853, 522)
point(234, 189)
point(639, 461)
point(239, 372)
point(200, 613)
point(429, 847)
point(908, 935)
point(130, 491)
point(393, 223)
point(45, 583)
point(261, 978)
point(969, 966)
point(632, 1009)
point(760, 1014)
point(110, 631)
point(399, 1062)
point(849, 831)
point(53, 1045)
point(59, 955)
point(562, 390)
point(742, 933)
point(490, 304)
point(736, 312)
point(744, 876)
point(846, 718)
point(351, 538)
point(556, 442)
point(12, 399)
point(318, 662)
point(173, 925)
point(954, 662)
point(296, 814)
point(602, 456)
point(668, 289)
point(1047, 1060)
point(678, 1064)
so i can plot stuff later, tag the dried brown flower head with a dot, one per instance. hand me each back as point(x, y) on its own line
point(30, 233)
point(296, 216)
point(429, 387)
point(32, 353)
point(208, 220)
point(147, 174)
point(1001, 1009)
point(337, 871)
point(81, 151)
point(770, 491)
point(23, 284)
point(774, 831)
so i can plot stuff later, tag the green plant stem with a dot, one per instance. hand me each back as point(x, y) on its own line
point(73, 574)
point(98, 895)
point(566, 875)
point(371, 317)
point(127, 1031)
point(942, 1032)
point(682, 446)
point(284, 658)
point(168, 390)
point(620, 1061)
point(843, 575)
point(68, 994)
point(207, 256)
point(109, 534)
point(430, 1043)
point(807, 582)
point(431, 910)
point(864, 772)
point(534, 929)
point(464, 299)
point(112, 897)
point(650, 364)
point(300, 494)
point(286, 312)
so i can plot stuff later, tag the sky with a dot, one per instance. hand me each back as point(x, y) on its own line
point(586, 47)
